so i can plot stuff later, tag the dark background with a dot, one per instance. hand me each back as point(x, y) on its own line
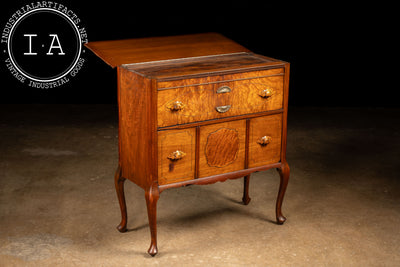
point(340, 55)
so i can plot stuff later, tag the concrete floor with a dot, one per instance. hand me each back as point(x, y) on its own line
point(58, 206)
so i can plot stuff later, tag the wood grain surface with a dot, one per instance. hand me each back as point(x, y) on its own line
point(136, 128)
point(217, 77)
point(118, 52)
point(222, 142)
point(226, 141)
point(202, 66)
point(270, 126)
point(170, 171)
point(200, 101)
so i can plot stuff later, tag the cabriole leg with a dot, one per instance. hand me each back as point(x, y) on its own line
point(246, 199)
point(152, 195)
point(284, 172)
point(119, 186)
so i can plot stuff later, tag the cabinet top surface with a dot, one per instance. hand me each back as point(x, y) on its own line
point(119, 52)
point(203, 66)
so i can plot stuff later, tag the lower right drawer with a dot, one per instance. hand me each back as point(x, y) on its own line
point(265, 140)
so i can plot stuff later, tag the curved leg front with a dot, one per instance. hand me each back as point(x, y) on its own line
point(284, 172)
point(152, 195)
point(246, 199)
point(119, 186)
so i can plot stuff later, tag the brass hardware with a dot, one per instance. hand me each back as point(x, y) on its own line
point(223, 89)
point(265, 140)
point(266, 93)
point(176, 155)
point(176, 106)
point(222, 109)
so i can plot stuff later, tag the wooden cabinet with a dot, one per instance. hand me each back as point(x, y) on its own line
point(196, 109)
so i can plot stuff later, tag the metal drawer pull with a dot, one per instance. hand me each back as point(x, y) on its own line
point(266, 93)
point(176, 106)
point(265, 140)
point(176, 155)
point(223, 89)
point(222, 109)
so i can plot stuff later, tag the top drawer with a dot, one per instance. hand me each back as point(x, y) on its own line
point(192, 100)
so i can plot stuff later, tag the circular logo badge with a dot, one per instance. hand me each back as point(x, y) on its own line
point(44, 42)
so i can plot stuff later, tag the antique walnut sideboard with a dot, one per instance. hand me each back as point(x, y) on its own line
point(196, 109)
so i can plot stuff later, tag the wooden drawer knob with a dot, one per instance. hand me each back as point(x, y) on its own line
point(266, 93)
point(265, 140)
point(176, 155)
point(176, 106)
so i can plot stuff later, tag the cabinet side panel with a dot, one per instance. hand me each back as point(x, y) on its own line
point(135, 127)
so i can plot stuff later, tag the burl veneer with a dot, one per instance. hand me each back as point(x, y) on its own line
point(196, 109)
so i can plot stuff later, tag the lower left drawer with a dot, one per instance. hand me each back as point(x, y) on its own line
point(176, 155)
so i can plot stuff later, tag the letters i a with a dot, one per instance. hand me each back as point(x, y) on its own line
point(52, 45)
